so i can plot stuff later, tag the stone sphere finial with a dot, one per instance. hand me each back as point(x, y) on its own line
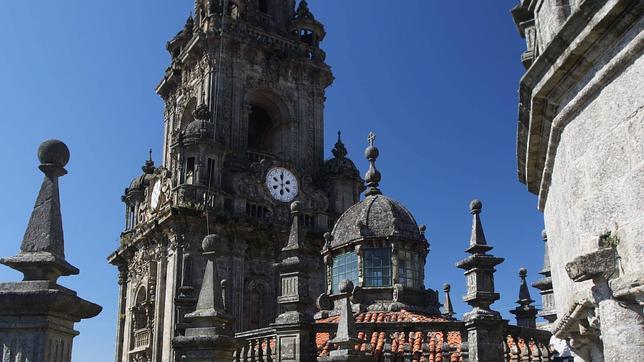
point(523, 272)
point(345, 286)
point(475, 206)
point(422, 228)
point(328, 237)
point(296, 206)
point(209, 243)
point(371, 152)
point(53, 152)
point(447, 287)
point(544, 235)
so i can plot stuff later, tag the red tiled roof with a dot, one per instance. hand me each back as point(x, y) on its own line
point(421, 345)
point(388, 317)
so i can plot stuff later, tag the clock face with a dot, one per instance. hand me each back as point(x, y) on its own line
point(282, 184)
point(156, 193)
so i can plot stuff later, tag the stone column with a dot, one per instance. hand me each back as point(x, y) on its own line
point(293, 326)
point(209, 337)
point(484, 325)
point(37, 315)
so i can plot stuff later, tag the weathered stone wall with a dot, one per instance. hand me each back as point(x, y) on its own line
point(598, 182)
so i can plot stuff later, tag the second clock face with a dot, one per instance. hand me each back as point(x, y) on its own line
point(282, 184)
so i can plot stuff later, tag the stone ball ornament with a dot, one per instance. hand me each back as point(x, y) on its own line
point(523, 272)
point(345, 286)
point(53, 152)
point(475, 206)
point(296, 206)
point(447, 287)
point(209, 243)
point(371, 152)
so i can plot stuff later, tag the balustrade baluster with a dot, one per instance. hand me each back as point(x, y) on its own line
point(525, 350)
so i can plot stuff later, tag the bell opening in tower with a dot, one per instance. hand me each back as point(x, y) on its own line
point(263, 6)
point(260, 124)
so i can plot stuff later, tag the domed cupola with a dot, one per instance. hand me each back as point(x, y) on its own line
point(135, 192)
point(305, 27)
point(341, 179)
point(202, 127)
point(378, 245)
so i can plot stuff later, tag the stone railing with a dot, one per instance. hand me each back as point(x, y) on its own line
point(256, 346)
point(526, 344)
point(194, 196)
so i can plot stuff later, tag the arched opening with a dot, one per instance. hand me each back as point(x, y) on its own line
point(233, 10)
point(260, 124)
point(140, 313)
point(263, 6)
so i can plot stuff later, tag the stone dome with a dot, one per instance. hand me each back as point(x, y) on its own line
point(377, 216)
point(341, 166)
point(198, 128)
point(140, 182)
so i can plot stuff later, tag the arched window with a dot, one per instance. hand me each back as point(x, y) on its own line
point(233, 10)
point(260, 124)
point(140, 313)
point(263, 6)
point(345, 266)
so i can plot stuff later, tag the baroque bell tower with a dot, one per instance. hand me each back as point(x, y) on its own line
point(243, 138)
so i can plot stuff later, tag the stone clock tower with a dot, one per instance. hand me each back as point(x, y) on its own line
point(243, 137)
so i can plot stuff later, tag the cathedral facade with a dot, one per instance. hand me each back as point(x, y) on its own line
point(243, 138)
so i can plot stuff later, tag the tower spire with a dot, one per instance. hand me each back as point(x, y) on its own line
point(340, 151)
point(372, 177)
point(148, 167)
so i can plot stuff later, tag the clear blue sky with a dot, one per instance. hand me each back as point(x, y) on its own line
point(436, 80)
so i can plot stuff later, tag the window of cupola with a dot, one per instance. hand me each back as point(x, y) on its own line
point(345, 266)
point(376, 266)
point(409, 272)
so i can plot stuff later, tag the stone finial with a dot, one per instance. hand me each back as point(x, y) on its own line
point(372, 177)
point(209, 335)
point(546, 257)
point(479, 269)
point(296, 236)
point(202, 113)
point(449, 309)
point(340, 151)
point(303, 11)
point(525, 313)
point(524, 292)
point(210, 308)
point(548, 311)
point(42, 252)
point(478, 243)
point(148, 167)
point(345, 337)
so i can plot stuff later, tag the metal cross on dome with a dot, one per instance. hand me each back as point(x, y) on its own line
point(371, 138)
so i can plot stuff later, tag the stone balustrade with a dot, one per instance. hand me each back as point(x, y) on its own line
point(256, 346)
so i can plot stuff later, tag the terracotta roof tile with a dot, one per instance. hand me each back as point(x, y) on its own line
point(421, 345)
